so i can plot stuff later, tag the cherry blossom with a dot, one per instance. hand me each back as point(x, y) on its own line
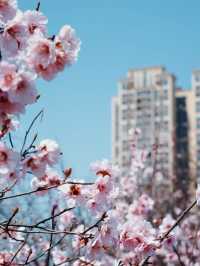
point(8, 9)
point(25, 91)
point(35, 21)
point(8, 76)
point(49, 151)
point(59, 257)
point(14, 37)
point(41, 53)
point(142, 206)
point(104, 168)
point(9, 159)
point(6, 106)
point(67, 44)
point(5, 258)
point(35, 165)
point(48, 179)
point(7, 123)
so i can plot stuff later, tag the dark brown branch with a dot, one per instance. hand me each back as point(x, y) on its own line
point(43, 189)
point(53, 217)
point(179, 220)
point(19, 249)
point(45, 232)
point(5, 190)
point(96, 224)
point(30, 146)
point(53, 225)
point(45, 252)
point(61, 239)
point(10, 140)
point(38, 6)
point(29, 129)
point(12, 216)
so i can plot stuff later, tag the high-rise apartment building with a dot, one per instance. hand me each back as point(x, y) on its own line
point(145, 100)
point(169, 120)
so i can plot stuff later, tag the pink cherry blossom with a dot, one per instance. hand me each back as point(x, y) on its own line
point(167, 223)
point(6, 106)
point(25, 91)
point(8, 9)
point(35, 20)
point(48, 179)
point(59, 257)
point(66, 220)
point(142, 206)
point(9, 159)
point(104, 185)
point(8, 76)
point(13, 38)
point(104, 168)
point(35, 165)
point(109, 233)
point(74, 193)
point(95, 250)
point(67, 42)
point(49, 151)
point(7, 123)
point(139, 236)
point(41, 53)
point(5, 258)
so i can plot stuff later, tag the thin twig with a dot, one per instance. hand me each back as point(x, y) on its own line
point(29, 129)
point(16, 210)
point(38, 6)
point(45, 252)
point(30, 146)
point(96, 224)
point(55, 215)
point(19, 249)
point(53, 225)
point(43, 189)
point(177, 222)
point(10, 140)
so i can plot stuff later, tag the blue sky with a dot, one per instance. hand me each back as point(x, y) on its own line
point(116, 35)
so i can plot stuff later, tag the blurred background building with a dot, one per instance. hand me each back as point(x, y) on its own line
point(169, 120)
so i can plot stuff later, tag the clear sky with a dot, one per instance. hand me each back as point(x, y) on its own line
point(116, 35)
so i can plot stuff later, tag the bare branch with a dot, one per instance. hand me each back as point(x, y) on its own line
point(29, 129)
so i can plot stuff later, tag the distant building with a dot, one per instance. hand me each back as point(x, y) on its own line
point(169, 119)
point(145, 100)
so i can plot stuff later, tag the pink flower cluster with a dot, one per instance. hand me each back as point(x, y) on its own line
point(28, 52)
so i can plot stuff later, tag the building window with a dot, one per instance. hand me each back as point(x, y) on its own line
point(197, 77)
point(165, 95)
point(130, 85)
point(197, 106)
point(197, 91)
point(198, 122)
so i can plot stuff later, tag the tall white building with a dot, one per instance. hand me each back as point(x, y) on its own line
point(145, 100)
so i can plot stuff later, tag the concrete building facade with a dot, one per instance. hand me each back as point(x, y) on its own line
point(145, 100)
point(168, 117)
